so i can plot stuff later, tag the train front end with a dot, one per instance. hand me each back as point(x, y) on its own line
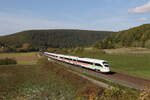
point(106, 68)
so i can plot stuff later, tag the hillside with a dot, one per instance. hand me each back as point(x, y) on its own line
point(134, 37)
point(53, 38)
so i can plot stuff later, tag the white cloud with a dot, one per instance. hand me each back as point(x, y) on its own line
point(143, 19)
point(141, 9)
point(10, 23)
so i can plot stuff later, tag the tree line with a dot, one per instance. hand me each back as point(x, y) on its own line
point(34, 40)
point(134, 37)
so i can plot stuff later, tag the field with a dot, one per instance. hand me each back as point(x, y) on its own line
point(136, 64)
point(50, 81)
point(38, 79)
point(22, 58)
point(23, 82)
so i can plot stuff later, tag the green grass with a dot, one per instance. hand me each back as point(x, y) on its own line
point(18, 54)
point(133, 64)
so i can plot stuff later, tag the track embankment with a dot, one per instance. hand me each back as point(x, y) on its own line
point(134, 81)
point(115, 77)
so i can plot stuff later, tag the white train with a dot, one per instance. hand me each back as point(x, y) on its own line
point(94, 64)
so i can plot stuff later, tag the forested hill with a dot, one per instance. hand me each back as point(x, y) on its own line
point(134, 37)
point(53, 38)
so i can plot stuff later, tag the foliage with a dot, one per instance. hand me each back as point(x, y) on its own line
point(26, 47)
point(104, 44)
point(90, 92)
point(147, 44)
point(51, 39)
point(114, 94)
point(78, 49)
point(145, 94)
point(97, 45)
point(7, 61)
point(52, 50)
point(6, 49)
point(134, 37)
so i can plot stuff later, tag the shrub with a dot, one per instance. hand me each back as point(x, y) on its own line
point(145, 94)
point(78, 49)
point(90, 92)
point(43, 61)
point(114, 94)
point(137, 44)
point(7, 61)
point(147, 44)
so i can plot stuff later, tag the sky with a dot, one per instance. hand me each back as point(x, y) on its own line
point(110, 15)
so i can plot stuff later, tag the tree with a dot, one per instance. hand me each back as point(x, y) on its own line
point(97, 45)
point(52, 50)
point(25, 48)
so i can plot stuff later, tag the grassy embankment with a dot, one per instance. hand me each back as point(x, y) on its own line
point(129, 63)
point(51, 81)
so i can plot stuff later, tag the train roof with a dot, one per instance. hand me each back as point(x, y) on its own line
point(78, 58)
point(92, 60)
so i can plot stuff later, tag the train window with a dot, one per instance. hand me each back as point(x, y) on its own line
point(68, 58)
point(106, 64)
point(85, 62)
point(98, 64)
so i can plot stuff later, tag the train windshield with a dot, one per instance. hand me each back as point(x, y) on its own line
point(98, 64)
point(105, 64)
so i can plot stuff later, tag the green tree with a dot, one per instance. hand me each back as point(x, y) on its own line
point(97, 45)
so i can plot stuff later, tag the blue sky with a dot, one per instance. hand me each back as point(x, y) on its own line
point(111, 15)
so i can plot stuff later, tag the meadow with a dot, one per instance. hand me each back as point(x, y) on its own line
point(34, 78)
point(50, 81)
point(128, 63)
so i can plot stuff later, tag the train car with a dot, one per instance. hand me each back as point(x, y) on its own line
point(94, 64)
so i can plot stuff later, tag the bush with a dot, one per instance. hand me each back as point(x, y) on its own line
point(52, 50)
point(7, 61)
point(147, 44)
point(43, 61)
point(78, 49)
point(145, 94)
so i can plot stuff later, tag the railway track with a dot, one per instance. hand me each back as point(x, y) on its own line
point(115, 77)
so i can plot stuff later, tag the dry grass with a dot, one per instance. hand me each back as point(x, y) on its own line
point(133, 50)
point(145, 94)
point(50, 81)
point(22, 58)
point(44, 81)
